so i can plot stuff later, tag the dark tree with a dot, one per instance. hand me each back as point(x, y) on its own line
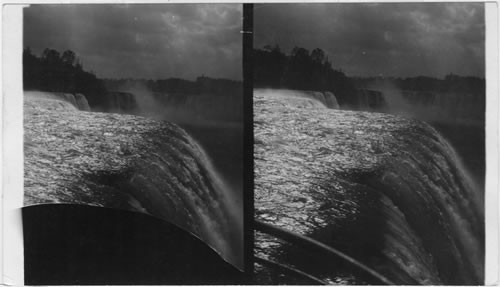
point(301, 70)
point(269, 66)
point(56, 72)
point(32, 70)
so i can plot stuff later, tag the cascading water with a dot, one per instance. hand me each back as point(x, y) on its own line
point(219, 211)
point(430, 106)
point(230, 210)
point(388, 191)
point(431, 187)
point(128, 162)
point(180, 184)
point(436, 174)
point(304, 99)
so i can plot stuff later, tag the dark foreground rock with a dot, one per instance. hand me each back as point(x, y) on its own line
point(387, 191)
point(68, 244)
point(127, 162)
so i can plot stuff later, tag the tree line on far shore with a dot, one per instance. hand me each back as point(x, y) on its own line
point(64, 72)
point(302, 69)
point(53, 71)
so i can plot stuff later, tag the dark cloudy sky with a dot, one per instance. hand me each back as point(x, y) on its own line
point(142, 41)
point(404, 39)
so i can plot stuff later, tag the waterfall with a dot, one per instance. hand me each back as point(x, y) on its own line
point(389, 191)
point(366, 100)
point(128, 162)
point(431, 106)
point(441, 204)
point(420, 217)
point(78, 101)
point(204, 199)
point(179, 183)
point(121, 102)
point(302, 99)
point(224, 211)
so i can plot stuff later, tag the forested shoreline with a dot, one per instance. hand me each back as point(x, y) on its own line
point(64, 72)
point(302, 69)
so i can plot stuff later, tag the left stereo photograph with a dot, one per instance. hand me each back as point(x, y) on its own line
point(133, 144)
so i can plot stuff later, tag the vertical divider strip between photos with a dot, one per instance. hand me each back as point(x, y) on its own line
point(248, 169)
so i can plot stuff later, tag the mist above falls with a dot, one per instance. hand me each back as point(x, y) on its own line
point(452, 100)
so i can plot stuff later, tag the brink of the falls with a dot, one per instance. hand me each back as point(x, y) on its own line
point(126, 162)
point(385, 190)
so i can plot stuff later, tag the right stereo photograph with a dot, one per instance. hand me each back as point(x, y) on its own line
point(369, 143)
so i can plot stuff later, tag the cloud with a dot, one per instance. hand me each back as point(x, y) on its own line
point(394, 39)
point(142, 40)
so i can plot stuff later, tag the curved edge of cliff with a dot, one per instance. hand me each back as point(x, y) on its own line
point(126, 162)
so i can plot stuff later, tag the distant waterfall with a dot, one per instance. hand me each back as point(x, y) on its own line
point(121, 102)
point(78, 101)
point(303, 99)
point(367, 100)
point(431, 106)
